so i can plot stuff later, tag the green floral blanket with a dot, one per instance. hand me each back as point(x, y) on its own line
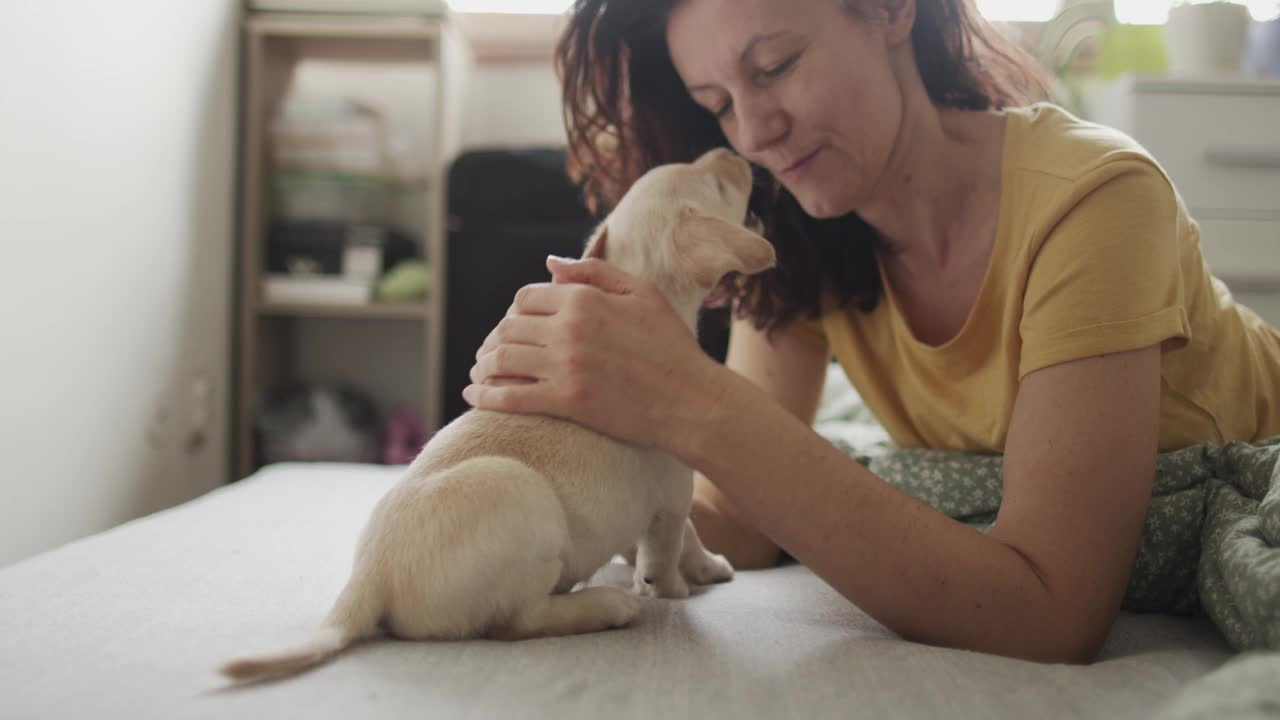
point(1211, 543)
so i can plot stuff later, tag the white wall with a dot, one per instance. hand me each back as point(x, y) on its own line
point(513, 104)
point(117, 150)
point(117, 161)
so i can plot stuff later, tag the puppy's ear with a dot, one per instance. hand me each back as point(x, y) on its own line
point(596, 245)
point(711, 248)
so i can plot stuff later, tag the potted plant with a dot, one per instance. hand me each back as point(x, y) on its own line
point(1206, 37)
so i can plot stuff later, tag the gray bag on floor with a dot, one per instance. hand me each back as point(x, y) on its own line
point(319, 423)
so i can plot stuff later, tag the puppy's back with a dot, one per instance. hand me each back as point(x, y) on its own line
point(595, 476)
point(556, 448)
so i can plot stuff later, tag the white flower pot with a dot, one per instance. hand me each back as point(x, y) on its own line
point(1207, 39)
point(1263, 55)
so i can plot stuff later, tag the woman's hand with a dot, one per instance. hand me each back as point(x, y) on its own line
point(599, 347)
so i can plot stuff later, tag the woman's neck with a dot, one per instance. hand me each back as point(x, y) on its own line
point(942, 183)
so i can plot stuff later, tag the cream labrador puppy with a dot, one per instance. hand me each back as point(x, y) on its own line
point(501, 516)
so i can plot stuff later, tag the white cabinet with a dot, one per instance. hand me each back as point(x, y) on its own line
point(1220, 143)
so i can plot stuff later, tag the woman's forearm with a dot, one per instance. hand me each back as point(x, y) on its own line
point(922, 574)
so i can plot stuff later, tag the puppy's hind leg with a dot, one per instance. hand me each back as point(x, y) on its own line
point(658, 557)
point(583, 611)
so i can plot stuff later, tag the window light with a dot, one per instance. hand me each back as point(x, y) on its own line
point(1007, 10)
point(1018, 10)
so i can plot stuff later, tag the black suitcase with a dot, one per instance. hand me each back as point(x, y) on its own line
point(508, 210)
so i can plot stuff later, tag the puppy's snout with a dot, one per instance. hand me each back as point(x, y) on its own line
point(730, 168)
point(716, 155)
point(739, 174)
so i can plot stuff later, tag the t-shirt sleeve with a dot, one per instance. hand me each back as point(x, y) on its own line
point(1107, 277)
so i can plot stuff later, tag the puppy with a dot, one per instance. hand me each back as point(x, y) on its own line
point(501, 516)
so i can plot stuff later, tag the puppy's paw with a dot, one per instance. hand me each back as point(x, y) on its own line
point(671, 585)
point(707, 568)
point(621, 607)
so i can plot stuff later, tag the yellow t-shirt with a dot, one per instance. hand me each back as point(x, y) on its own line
point(1095, 253)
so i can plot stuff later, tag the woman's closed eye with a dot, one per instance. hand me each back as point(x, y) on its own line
point(762, 76)
point(780, 69)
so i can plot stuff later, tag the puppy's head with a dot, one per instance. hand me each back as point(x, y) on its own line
point(680, 226)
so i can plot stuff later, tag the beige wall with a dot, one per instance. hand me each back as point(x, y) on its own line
point(117, 145)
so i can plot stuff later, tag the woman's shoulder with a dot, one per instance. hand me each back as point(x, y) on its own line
point(1047, 140)
point(1054, 160)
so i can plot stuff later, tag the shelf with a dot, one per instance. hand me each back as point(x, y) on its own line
point(390, 311)
point(1250, 281)
point(1226, 85)
point(376, 27)
point(354, 38)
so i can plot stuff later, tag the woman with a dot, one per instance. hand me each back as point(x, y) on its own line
point(991, 277)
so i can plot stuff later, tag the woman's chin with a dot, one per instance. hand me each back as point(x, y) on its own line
point(822, 207)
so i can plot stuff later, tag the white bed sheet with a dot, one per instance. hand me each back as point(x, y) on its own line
point(131, 624)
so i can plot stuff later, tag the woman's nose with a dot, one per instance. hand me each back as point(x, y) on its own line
point(761, 125)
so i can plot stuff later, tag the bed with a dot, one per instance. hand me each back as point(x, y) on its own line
point(132, 622)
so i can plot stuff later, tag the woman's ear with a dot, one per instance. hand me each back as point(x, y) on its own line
point(710, 248)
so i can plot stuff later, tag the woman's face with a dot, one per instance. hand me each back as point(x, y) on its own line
point(801, 87)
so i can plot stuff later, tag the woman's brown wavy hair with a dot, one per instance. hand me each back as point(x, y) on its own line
point(627, 111)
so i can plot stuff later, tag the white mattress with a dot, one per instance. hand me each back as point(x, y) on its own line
point(132, 623)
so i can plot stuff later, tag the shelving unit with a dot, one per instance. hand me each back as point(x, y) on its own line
point(277, 45)
point(412, 311)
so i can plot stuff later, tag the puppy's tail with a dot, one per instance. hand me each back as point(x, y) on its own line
point(355, 617)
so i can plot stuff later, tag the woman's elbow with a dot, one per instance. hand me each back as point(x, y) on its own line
point(1070, 643)
point(1047, 637)
point(1066, 652)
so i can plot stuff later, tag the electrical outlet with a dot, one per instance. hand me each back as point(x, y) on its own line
point(199, 412)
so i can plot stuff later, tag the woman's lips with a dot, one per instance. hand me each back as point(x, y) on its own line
point(795, 172)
